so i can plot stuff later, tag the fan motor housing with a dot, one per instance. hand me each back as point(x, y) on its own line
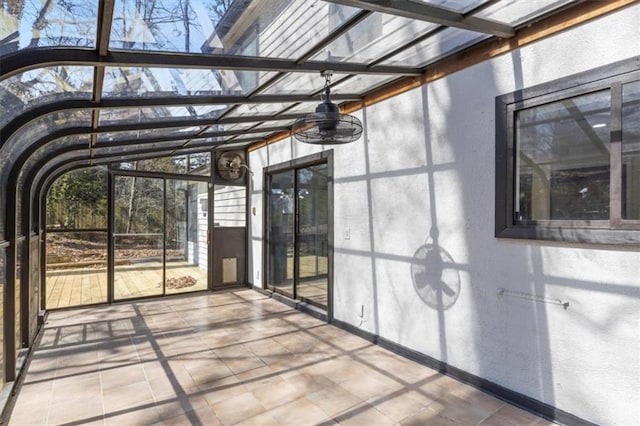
point(230, 167)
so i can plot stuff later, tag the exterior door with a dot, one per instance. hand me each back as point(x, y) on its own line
point(298, 234)
point(159, 237)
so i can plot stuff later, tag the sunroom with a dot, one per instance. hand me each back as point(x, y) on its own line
point(455, 181)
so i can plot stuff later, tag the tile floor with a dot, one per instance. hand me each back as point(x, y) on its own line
point(235, 357)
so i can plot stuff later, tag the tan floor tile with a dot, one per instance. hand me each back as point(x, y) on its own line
point(334, 399)
point(285, 392)
point(478, 398)
point(460, 410)
point(238, 408)
point(159, 361)
point(122, 376)
point(89, 410)
point(133, 395)
point(208, 372)
point(238, 359)
point(339, 369)
point(300, 412)
point(510, 415)
point(263, 419)
point(163, 387)
point(27, 412)
point(363, 414)
point(36, 393)
point(147, 415)
point(258, 377)
point(202, 416)
point(78, 389)
point(396, 405)
point(366, 387)
point(222, 389)
point(310, 383)
point(171, 407)
point(427, 417)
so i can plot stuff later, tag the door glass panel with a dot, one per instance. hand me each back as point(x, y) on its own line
point(76, 265)
point(312, 235)
point(138, 237)
point(183, 271)
point(281, 232)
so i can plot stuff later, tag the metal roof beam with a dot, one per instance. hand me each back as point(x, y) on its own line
point(215, 100)
point(427, 12)
point(22, 61)
point(34, 114)
point(105, 19)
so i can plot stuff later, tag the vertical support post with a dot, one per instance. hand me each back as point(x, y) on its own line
point(110, 236)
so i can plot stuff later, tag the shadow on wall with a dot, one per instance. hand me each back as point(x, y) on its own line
point(435, 276)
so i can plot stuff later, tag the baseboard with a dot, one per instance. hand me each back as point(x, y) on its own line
point(522, 401)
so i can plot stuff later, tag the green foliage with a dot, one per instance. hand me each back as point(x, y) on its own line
point(78, 199)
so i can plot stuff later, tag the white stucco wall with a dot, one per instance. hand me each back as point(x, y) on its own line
point(423, 177)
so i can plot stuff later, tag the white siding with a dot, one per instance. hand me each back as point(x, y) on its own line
point(230, 204)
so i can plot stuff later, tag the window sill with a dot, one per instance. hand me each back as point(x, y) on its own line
point(622, 237)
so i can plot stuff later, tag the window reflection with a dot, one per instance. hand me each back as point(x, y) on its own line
point(563, 159)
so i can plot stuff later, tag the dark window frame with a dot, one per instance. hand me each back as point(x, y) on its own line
point(615, 231)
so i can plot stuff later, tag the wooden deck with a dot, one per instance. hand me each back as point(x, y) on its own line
point(88, 285)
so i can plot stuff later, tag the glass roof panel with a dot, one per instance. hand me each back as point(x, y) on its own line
point(127, 161)
point(237, 82)
point(114, 116)
point(43, 85)
point(299, 84)
point(51, 147)
point(514, 12)
point(460, 6)
point(105, 149)
point(362, 83)
point(163, 25)
point(279, 123)
point(442, 44)
point(127, 82)
point(257, 109)
point(300, 25)
point(304, 107)
point(372, 38)
point(42, 126)
point(240, 27)
point(234, 126)
point(28, 24)
point(178, 133)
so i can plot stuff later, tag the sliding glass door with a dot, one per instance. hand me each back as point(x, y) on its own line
point(157, 247)
point(281, 232)
point(298, 234)
point(138, 237)
point(312, 235)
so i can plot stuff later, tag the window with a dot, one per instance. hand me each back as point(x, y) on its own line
point(568, 159)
